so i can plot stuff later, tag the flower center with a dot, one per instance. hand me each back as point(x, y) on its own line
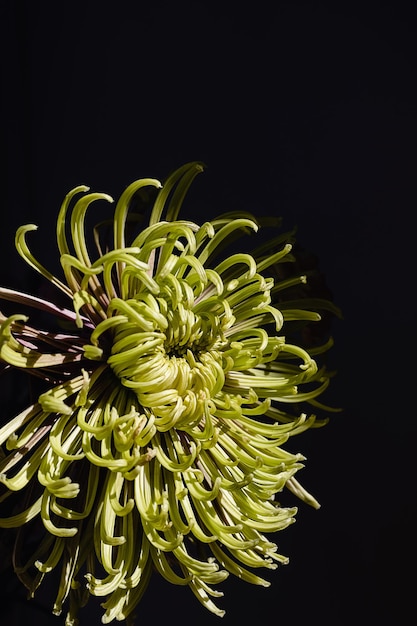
point(169, 355)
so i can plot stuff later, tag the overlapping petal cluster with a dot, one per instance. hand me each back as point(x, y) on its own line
point(157, 440)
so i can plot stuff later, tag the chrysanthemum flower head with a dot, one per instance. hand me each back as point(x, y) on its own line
point(156, 443)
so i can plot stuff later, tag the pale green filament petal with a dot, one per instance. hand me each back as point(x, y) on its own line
point(23, 250)
point(122, 208)
point(77, 224)
point(61, 221)
point(15, 521)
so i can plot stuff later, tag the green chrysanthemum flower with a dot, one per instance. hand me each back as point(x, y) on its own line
point(156, 443)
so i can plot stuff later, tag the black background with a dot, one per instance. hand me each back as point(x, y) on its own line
point(302, 109)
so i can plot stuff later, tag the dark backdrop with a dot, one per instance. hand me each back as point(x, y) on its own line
point(303, 109)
